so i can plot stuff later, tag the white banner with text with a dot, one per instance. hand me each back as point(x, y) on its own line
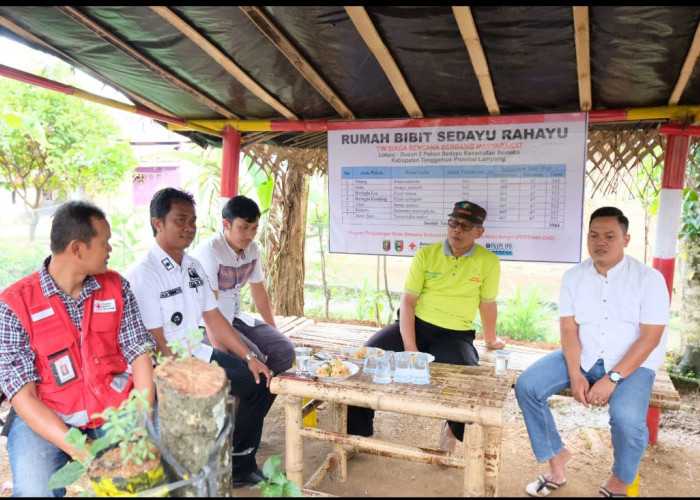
point(392, 183)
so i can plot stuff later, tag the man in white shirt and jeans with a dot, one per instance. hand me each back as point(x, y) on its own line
point(613, 313)
point(174, 296)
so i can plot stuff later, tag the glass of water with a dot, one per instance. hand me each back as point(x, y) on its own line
point(303, 354)
point(371, 360)
point(382, 374)
point(402, 372)
point(420, 371)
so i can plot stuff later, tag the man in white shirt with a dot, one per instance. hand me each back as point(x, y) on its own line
point(174, 296)
point(613, 313)
point(231, 258)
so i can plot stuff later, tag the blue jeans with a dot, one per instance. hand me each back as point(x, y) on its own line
point(627, 409)
point(34, 460)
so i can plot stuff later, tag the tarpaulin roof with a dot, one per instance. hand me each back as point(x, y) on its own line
point(339, 63)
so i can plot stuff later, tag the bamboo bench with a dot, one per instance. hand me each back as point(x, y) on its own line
point(333, 337)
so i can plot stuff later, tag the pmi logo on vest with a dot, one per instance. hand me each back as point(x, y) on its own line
point(500, 248)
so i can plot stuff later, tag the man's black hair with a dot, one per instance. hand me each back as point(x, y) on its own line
point(73, 221)
point(241, 206)
point(162, 202)
point(612, 212)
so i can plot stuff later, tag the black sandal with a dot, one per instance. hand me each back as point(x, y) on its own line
point(606, 493)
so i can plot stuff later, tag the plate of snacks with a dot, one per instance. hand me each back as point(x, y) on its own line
point(332, 371)
point(358, 354)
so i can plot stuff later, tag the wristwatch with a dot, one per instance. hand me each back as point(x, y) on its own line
point(250, 356)
point(614, 377)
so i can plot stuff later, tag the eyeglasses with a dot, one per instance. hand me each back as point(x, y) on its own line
point(466, 226)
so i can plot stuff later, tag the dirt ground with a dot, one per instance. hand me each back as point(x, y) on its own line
point(670, 468)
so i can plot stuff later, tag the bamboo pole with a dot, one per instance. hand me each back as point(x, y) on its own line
point(340, 424)
point(40, 81)
point(492, 456)
point(474, 457)
point(319, 475)
point(373, 446)
point(294, 461)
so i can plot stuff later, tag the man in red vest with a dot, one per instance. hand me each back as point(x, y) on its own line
point(68, 334)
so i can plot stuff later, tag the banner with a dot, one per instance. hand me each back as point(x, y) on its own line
point(393, 183)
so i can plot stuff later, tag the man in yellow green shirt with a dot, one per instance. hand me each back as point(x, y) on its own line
point(447, 283)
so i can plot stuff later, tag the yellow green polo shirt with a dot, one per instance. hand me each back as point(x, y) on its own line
point(450, 288)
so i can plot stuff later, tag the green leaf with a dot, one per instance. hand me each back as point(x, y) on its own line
point(271, 465)
point(273, 490)
point(291, 489)
point(66, 475)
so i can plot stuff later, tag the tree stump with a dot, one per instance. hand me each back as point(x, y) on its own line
point(192, 409)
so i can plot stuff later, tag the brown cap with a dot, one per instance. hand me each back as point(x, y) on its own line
point(470, 211)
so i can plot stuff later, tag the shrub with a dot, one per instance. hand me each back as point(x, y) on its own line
point(526, 315)
point(18, 261)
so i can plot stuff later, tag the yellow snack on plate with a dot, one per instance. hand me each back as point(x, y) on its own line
point(334, 368)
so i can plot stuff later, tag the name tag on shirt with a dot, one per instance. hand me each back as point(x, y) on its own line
point(62, 367)
point(104, 306)
point(37, 316)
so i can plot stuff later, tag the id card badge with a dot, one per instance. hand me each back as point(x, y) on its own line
point(62, 367)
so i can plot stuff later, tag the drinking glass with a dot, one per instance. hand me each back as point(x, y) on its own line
point(500, 362)
point(303, 354)
point(420, 371)
point(402, 372)
point(391, 356)
point(382, 374)
point(371, 360)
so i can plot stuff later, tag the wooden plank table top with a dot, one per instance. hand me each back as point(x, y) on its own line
point(470, 394)
point(333, 337)
point(459, 393)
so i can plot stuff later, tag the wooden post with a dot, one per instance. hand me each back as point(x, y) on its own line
point(492, 455)
point(474, 460)
point(294, 462)
point(340, 424)
point(230, 158)
point(192, 410)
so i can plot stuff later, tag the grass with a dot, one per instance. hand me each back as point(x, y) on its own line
point(526, 315)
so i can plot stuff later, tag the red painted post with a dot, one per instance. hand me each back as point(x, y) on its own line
point(231, 153)
point(653, 417)
point(668, 225)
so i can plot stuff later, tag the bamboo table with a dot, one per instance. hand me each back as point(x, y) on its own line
point(469, 394)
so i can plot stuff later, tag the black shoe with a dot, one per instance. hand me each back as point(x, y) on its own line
point(250, 479)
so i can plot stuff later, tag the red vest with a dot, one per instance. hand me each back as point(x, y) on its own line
point(81, 372)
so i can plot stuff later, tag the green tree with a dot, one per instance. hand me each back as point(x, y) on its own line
point(54, 146)
point(689, 235)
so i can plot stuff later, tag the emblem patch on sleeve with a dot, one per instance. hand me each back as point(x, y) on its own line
point(176, 318)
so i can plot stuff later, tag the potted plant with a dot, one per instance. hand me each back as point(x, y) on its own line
point(121, 462)
point(277, 484)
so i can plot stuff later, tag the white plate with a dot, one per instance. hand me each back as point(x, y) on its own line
point(315, 365)
point(348, 352)
point(431, 358)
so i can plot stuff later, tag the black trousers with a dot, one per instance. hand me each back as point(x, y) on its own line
point(248, 424)
point(448, 346)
